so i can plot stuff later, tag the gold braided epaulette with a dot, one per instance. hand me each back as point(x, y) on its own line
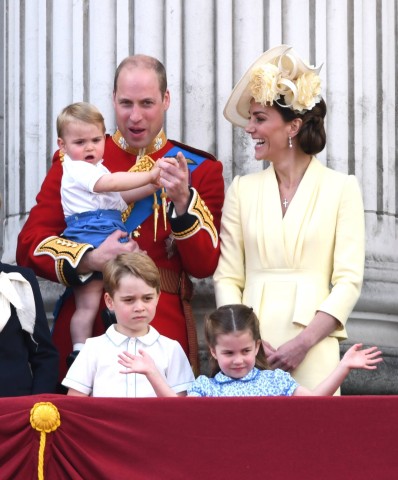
point(63, 249)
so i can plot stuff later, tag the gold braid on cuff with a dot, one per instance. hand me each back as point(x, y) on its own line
point(62, 249)
point(200, 210)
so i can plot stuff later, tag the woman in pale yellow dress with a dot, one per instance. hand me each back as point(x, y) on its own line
point(292, 235)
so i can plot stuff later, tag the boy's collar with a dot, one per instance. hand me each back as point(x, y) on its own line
point(118, 338)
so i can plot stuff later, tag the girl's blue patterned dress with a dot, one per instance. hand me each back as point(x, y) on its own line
point(257, 383)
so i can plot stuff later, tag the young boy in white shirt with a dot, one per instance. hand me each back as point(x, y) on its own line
point(132, 289)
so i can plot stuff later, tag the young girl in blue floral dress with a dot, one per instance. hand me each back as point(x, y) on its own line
point(239, 367)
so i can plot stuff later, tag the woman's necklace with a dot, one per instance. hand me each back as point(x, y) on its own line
point(286, 195)
point(287, 192)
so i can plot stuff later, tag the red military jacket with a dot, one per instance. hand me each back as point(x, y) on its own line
point(194, 237)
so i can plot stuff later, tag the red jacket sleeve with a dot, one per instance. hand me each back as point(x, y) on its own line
point(200, 251)
point(46, 219)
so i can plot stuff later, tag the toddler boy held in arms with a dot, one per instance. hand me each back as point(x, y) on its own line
point(93, 200)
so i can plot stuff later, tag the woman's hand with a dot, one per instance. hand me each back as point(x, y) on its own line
point(290, 355)
point(268, 348)
point(287, 357)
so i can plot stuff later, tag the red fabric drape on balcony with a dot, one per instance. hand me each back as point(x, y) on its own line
point(217, 438)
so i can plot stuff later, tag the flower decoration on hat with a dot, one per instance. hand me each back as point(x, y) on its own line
point(270, 81)
point(264, 84)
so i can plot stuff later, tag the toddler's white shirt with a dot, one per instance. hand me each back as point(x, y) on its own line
point(77, 184)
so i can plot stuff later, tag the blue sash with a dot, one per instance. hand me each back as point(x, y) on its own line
point(143, 208)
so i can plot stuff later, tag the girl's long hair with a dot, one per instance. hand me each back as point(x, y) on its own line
point(229, 319)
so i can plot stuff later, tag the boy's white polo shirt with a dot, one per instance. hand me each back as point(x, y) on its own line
point(96, 370)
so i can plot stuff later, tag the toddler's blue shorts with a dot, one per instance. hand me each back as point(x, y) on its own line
point(94, 227)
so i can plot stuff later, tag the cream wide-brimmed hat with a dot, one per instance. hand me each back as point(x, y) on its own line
point(278, 72)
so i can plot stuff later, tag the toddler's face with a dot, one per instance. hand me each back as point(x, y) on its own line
point(83, 141)
point(236, 353)
point(134, 303)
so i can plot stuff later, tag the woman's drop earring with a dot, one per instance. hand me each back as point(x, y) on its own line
point(290, 142)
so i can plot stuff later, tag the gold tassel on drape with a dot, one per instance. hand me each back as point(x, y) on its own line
point(45, 418)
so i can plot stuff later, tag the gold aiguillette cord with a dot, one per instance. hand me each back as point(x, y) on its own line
point(163, 196)
point(145, 164)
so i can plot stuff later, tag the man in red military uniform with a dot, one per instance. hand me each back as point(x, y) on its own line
point(183, 242)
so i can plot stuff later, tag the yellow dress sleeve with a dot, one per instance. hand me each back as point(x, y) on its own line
point(349, 254)
point(229, 277)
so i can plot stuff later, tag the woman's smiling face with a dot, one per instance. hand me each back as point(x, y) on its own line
point(267, 127)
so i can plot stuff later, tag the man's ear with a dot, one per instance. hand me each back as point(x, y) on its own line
point(166, 100)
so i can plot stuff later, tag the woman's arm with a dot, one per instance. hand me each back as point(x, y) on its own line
point(289, 355)
point(229, 278)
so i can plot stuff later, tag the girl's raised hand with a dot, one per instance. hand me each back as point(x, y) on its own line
point(366, 358)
